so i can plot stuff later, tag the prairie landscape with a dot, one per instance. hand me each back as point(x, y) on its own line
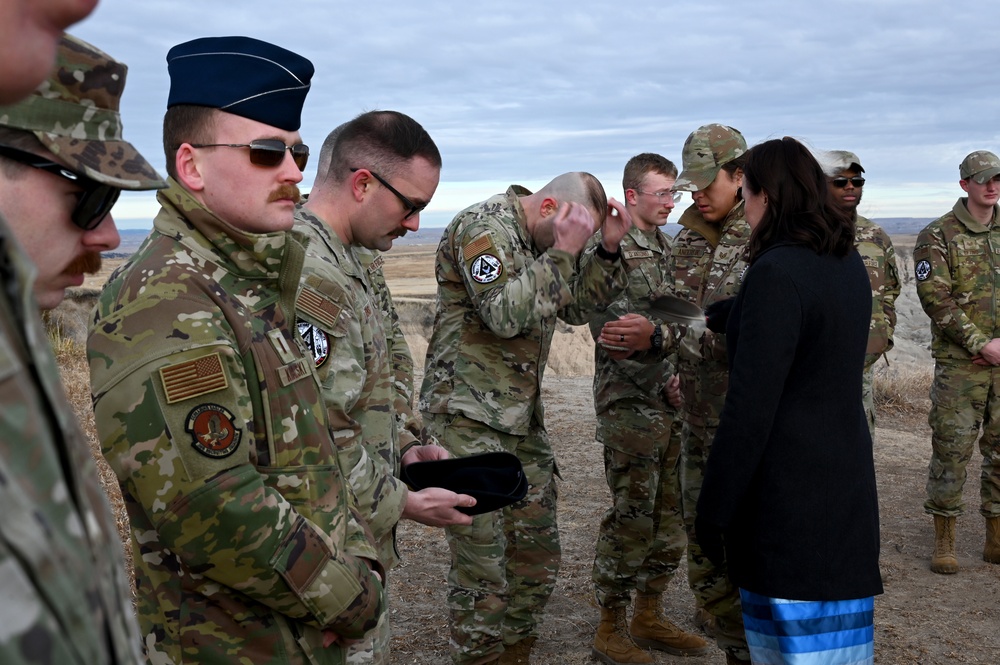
point(922, 617)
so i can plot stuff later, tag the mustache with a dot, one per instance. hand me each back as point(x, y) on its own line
point(285, 192)
point(88, 263)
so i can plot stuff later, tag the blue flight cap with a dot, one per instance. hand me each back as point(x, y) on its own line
point(242, 76)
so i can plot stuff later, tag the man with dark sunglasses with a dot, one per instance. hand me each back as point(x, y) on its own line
point(65, 596)
point(353, 205)
point(843, 171)
point(245, 538)
point(955, 262)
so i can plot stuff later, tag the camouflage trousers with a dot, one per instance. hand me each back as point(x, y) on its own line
point(374, 648)
point(868, 397)
point(504, 566)
point(642, 538)
point(965, 398)
point(710, 584)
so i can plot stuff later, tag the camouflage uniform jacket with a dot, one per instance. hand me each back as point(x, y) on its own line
point(497, 302)
point(956, 261)
point(876, 250)
point(340, 319)
point(209, 412)
point(633, 385)
point(707, 264)
point(63, 594)
point(399, 351)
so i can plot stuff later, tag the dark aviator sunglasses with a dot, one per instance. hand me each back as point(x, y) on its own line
point(841, 182)
point(267, 152)
point(93, 203)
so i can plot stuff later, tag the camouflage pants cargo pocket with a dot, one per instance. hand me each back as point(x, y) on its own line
point(965, 398)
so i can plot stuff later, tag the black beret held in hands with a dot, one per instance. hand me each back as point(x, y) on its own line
point(495, 480)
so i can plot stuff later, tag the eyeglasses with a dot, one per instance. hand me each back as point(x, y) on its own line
point(267, 152)
point(841, 182)
point(92, 204)
point(410, 205)
point(662, 196)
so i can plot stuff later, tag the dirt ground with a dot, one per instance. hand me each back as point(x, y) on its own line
point(922, 617)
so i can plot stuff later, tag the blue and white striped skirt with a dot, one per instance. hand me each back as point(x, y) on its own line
point(802, 632)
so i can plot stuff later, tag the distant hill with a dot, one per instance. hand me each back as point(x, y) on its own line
point(132, 238)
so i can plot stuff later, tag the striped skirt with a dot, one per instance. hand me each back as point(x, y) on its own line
point(798, 632)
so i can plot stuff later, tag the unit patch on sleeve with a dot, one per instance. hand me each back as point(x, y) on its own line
point(212, 430)
point(193, 378)
point(486, 269)
point(922, 270)
point(316, 340)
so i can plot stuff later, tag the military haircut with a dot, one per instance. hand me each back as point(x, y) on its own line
point(579, 187)
point(379, 141)
point(797, 209)
point(186, 123)
point(22, 140)
point(647, 162)
point(326, 153)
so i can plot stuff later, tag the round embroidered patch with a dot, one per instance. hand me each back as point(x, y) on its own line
point(316, 340)
point(922, 269)
point(486, 268)
point(212, 430)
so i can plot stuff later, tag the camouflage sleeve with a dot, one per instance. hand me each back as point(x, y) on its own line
point(380, 496)
point(937, 292)
point(511, 290)
point(596, 284)
point(217, 513)
point(407, 422)
point(892, 287)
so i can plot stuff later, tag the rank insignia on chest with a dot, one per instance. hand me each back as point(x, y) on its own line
point(213, 431)
point(316, 340)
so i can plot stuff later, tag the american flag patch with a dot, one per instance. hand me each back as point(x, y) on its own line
point(478, 246)
point(315, 305)
point(193, 378)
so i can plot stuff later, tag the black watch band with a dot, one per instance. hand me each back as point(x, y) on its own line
point(656, 339)
point(606, 255)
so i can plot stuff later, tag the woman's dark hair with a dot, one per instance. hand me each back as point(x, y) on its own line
point(797, 210)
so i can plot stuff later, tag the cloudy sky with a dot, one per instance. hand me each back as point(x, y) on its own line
point(518, 91)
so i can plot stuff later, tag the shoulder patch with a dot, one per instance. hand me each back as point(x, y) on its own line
point(193, 378)
point(922, 270)
point(322, 309)
point(316, 340)
point(478, 246)
point(486, 269)
point(213, 431)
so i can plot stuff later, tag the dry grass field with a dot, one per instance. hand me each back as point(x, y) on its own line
point(922, 617)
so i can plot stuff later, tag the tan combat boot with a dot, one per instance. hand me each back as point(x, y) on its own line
point(518, 653)
point(612, 644)
point(991, 553)
point(651, 629)
point(944, 560)
point(705, 621)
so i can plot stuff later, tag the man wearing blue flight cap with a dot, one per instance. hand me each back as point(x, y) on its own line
point(245, 543)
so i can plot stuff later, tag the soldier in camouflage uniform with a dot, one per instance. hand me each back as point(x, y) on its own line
point(341, 318)
point(245, 536)
point(506, 269)
point(956, 260)
point(843, 170)
point(65, 597)
point(707, 264)
point(642, 537)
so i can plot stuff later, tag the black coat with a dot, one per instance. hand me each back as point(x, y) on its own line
point(790, 479)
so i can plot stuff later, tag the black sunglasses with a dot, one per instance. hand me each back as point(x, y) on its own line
point(410, 205)
point(841, 182)
point(267, 152)
point(92, 204)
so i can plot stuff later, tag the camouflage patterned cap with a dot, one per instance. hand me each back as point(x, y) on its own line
point(980, 166)
point(705, 151)
point(75, 115)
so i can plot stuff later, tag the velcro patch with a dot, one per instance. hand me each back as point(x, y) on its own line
point(376, 264)
point(316, 340)
point(193, 378)
point(294, 371)
point(324, 310)
point(478, 246)
point(638, 254)
point(486, 269)
point(213, 431)
point(922, 270)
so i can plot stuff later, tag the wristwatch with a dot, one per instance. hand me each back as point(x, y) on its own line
point(656, 339)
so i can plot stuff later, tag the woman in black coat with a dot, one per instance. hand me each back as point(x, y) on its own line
point(789, 491)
